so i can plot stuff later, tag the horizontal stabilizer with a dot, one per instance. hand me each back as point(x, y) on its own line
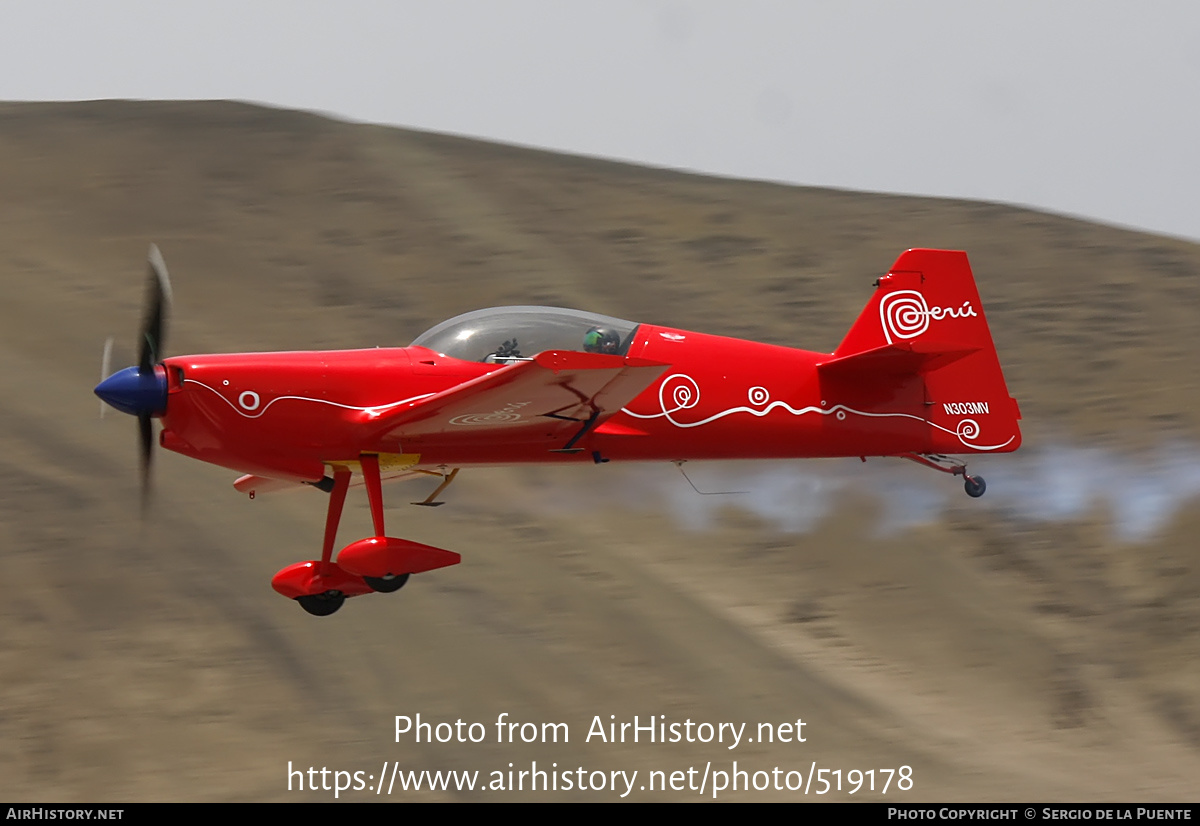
point(902, 358)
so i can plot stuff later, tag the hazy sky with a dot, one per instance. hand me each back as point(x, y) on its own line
point(1086, 108)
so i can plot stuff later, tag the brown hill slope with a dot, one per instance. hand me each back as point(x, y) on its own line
point(1000, 657)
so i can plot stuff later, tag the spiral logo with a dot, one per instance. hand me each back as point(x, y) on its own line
point(499, 417)
point(904, 314)
point(967, 429)
point(678, 392)
point(759, 395)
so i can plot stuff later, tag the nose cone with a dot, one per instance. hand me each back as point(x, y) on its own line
point(134, 392)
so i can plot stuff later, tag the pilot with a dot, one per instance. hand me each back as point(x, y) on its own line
point(506, 353)
point(602, 340)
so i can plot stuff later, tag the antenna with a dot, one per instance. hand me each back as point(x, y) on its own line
point(679, 464)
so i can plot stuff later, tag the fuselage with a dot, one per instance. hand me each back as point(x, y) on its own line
point(289, 415)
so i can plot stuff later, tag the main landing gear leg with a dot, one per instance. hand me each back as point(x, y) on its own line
point(370, 468)
point(326, 603)
point(974, 485)
point(337, 498)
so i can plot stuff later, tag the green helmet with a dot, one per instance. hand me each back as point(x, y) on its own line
point(602, 340)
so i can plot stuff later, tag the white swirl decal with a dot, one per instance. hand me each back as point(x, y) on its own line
point(681, 392)
point(905, 314)
point(505, 415)
point(967, 429)
point(499, 417)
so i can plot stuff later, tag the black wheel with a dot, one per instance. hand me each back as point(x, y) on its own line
point(386, 584)
point(322, 605)
point(975, 486)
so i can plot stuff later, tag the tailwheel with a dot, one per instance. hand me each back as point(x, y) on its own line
point(388, 584)
point(322, 605)
point(974, 486)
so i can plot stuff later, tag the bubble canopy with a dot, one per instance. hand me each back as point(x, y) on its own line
point(507, 334)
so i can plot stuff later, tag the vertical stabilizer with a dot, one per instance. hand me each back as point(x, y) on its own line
point(924, 329)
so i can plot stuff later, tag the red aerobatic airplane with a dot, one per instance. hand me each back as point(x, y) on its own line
point(916, 377)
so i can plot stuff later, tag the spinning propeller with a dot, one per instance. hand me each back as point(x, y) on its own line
point(142, 390)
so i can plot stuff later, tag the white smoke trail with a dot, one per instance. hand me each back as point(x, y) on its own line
point(1063, 482)
point(1052, 483)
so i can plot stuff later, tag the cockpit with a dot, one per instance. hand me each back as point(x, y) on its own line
point(502, 335)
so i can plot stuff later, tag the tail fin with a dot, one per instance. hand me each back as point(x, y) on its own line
point(923, 336)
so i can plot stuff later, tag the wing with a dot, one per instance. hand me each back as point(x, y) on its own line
point(555, 397)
